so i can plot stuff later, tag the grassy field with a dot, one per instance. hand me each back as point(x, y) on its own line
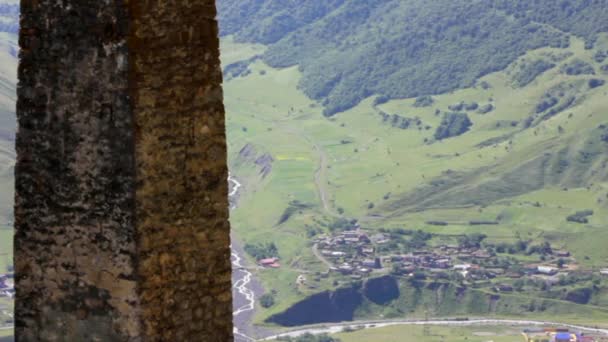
point(8, 82)
point(352, 160)
point(434, 334)
point(6, 248)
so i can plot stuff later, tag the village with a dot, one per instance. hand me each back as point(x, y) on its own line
point(358, 254)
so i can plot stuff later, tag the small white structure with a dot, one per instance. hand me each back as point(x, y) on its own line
point(547, 270)
point(462, 267)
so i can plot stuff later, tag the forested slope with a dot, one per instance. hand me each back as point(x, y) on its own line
point(351, 49)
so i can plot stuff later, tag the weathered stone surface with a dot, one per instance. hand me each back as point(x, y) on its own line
point(121, 194)
point(182, 189)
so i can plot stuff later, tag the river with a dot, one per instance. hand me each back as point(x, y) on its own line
point(245, 288)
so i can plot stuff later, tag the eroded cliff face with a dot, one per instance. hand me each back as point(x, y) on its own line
point(121, 206)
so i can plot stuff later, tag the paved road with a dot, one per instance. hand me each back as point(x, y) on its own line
point(336, 328)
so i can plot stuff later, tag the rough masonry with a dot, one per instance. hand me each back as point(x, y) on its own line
point(121, 205)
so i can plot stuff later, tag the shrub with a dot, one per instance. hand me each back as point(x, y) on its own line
point(485, 109)
point(437, 223)
point(600, 56)
point(481, 223)
point(580, 216)
point(580, 295)
point(594, 83)
point(456, 107)
point(424, 101)
point(381, 100)
point(267, 300)
point(471, 106)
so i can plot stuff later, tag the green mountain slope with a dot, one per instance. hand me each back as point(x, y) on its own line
point(8, 123)
point(351, 49)
point(534, 152)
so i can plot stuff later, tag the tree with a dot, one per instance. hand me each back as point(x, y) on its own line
point(267, 300)
point(452, 125)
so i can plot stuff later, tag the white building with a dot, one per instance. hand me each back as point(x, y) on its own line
point(547, 270)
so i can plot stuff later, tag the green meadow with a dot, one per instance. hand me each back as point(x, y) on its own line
point(408, 333)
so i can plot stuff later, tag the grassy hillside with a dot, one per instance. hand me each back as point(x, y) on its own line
point(534, 154)
point(9, 16)
point(351, 49)
point(8, 81)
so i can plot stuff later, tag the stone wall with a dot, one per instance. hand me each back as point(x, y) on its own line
point(121, 195)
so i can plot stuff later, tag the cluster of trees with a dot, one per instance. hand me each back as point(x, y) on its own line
point(556, 100)
point(583, 18)
point(600, 56)
point(341, 224)
point(453, 124)
point(529, 71)
point(471, 240)
point(424, 101)
point(351, 49)
point(262, 250)
point(580, 216)
point(417, 239)
point(578, 67)
point(457, 107)
point(604, 133)
point(577, 288)
point(521, 246)
point(293, 207)
point(239, 69)
point(546, 103)
point(398, 121)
